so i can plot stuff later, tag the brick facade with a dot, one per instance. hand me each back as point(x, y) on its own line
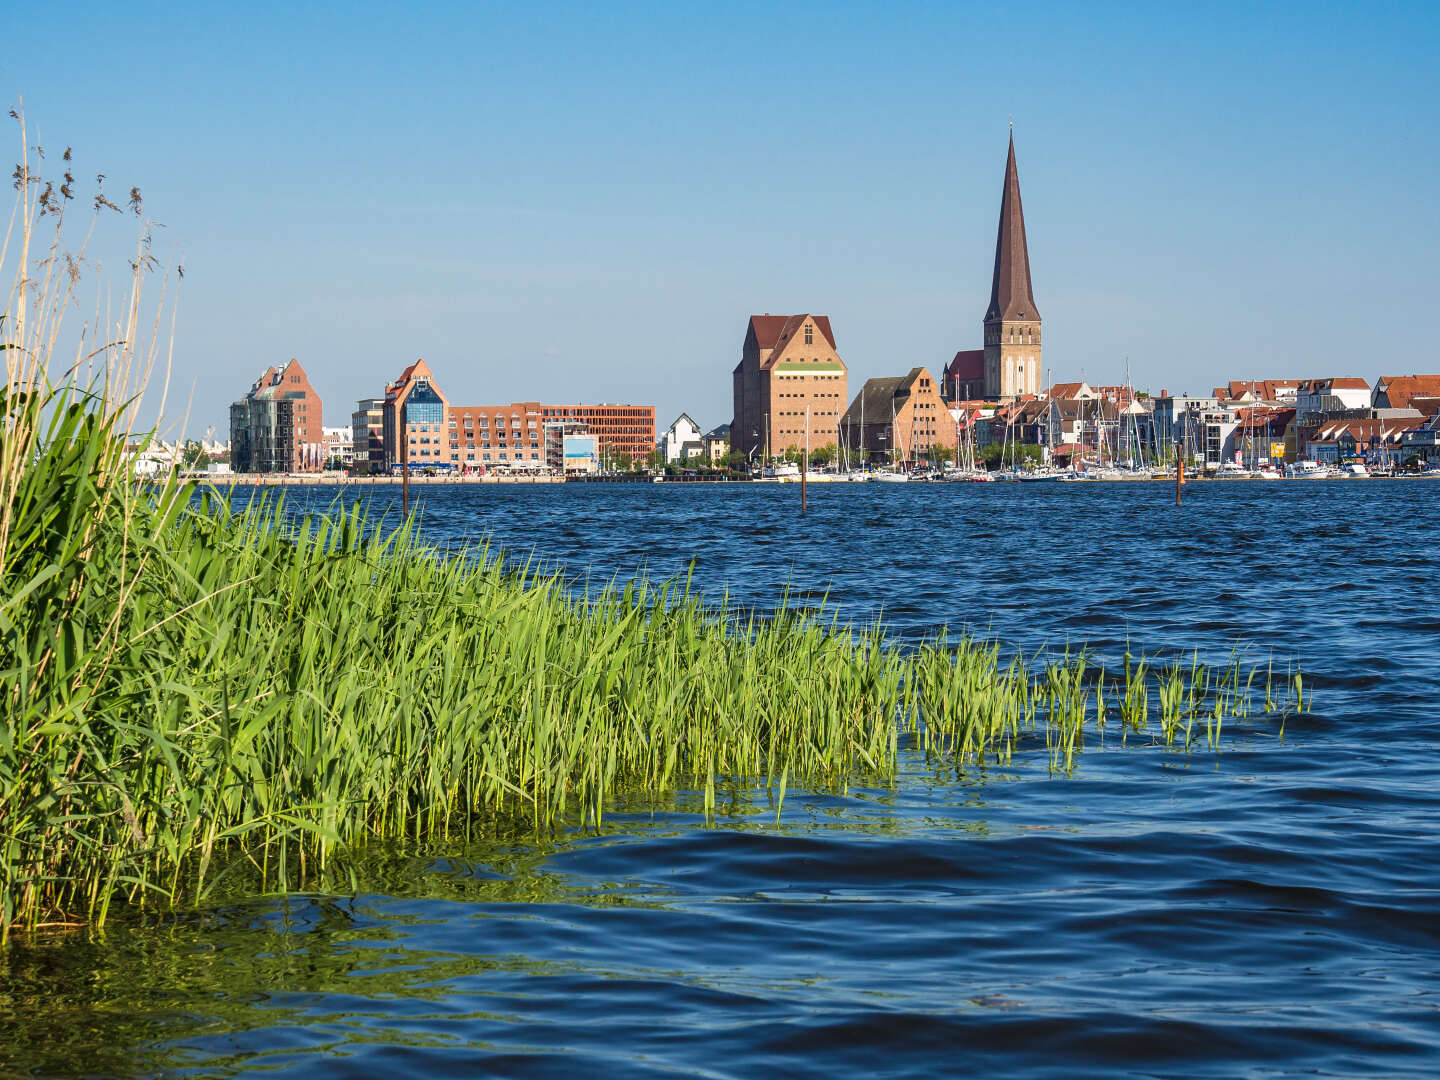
point(901, 418)
point(276, 427)
point(788, 364)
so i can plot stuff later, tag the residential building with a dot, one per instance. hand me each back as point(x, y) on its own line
point(1421, 445)
point(1402, 392)
point(367, 435)
point(715, 444)
point(1012, 321)
point(681, 441)
point(789, 387)
point(621, 431)
point(276, 426)
point(1275, 391)
point(1376, 440)
point(414, 422)
point(898, 419)
point(1072, 391)
point(339, 446)
point(1177, 419)
point(1259, 435)
point(484, 437)
point(1326, 397)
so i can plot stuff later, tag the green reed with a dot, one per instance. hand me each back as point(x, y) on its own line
point(196, 691)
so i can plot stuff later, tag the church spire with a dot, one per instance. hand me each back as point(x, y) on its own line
point(1011, 296)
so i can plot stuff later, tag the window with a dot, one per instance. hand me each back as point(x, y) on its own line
point(809, 335)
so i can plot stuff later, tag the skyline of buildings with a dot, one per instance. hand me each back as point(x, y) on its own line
point(790, 392)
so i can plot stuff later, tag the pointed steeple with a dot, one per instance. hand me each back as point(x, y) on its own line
point(1010, 291)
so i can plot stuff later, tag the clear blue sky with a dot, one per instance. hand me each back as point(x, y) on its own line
point(586, 202)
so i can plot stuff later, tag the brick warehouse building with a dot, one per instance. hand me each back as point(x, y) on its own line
point(787, 364)
point(904, 417)
point(276, 427)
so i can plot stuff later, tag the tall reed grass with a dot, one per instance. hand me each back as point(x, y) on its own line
point(195, 689)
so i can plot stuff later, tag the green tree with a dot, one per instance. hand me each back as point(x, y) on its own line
point(942, 454)
point(193, 456)
point(999, 455)
point(824, 455)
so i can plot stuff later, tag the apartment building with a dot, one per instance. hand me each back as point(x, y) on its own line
point(276, 426)
point(497, 436)
point(367, 435)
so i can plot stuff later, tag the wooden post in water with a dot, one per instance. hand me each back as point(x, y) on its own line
point(805, 460)
point(1179, 473)
point(404, 468)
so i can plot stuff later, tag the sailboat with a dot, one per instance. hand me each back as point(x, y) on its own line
point(892, 475)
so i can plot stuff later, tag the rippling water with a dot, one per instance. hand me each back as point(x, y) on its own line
point(1270, 910)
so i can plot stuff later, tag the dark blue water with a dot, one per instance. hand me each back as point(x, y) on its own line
point(1269, 910)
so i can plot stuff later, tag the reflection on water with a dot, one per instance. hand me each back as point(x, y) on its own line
point(1266, 910)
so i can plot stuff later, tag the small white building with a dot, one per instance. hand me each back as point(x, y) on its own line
point(338, 443)
point(681, 441)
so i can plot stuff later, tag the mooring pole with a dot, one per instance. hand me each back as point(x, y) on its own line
point(805, 461)
point(1179, 473)
point(404, 473)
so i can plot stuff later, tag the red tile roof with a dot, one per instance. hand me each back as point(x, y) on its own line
point(1399, 389)
point(967, 366)
point(774, 331)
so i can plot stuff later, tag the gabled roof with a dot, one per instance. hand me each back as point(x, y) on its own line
point(1367, 430)
point(1070, 391)
point(1263, 389)
point(775, 331)
point(1011, 296)
point(676, 423)
point(878, 396)
point(1326, 386)
point(1399, 389)
point(1085, 410)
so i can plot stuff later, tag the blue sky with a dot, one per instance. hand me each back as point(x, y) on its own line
point(586, 202)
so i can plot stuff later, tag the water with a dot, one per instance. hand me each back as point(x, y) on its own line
point(1271, 910)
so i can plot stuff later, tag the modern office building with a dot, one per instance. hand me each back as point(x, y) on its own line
point(414, 422)
point(619, 430)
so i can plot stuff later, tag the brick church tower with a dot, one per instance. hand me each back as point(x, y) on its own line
point(1012, 322)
